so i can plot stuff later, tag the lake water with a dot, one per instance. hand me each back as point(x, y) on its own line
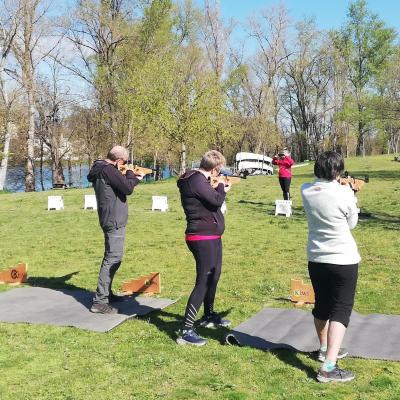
point(15, 180)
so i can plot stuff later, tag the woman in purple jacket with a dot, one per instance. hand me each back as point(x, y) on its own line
point(205, 226)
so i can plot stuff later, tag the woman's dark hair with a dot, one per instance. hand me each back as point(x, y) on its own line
point(328, 165)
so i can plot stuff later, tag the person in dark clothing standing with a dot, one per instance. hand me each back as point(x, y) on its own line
point(285, 162)
point(111, 187)
point(205, 226)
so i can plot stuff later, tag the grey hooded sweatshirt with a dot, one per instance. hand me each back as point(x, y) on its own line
point(111, 188)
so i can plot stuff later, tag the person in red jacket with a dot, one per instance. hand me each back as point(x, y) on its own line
point(285, 163)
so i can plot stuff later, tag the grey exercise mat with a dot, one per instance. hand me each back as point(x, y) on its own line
point(375, 336)
point(64, 307)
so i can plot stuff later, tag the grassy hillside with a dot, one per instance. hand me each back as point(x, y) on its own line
point(139, 359)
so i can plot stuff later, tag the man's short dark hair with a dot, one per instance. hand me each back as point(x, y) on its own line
point(328, 165)
point(118, 153)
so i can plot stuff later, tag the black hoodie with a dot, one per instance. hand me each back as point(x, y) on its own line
point(111, 188)
point(202, 204)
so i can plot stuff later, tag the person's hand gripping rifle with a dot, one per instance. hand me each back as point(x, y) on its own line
point(228, 181)
point(355, 184)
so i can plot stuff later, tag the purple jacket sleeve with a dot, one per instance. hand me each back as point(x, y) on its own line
point(202, 188)
point(121, 183)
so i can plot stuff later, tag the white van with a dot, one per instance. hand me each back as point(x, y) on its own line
point(253, 164)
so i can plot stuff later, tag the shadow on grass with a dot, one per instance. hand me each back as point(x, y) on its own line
point(59, 282)
point(268, 208)
point(372, 174)
point(297, 213)
point(380, 174)
point(256, 206)
point(292, 358)
point(160, 319)
point(383, 220)
point(254, 203)
point(128, 304)
point(171, 327)
point(286, 353)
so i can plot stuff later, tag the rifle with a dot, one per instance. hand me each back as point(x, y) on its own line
point(355, 184)
point(225, 179)
point(136, 169)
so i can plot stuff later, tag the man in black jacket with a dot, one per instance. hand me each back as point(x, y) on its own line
point(111, 188)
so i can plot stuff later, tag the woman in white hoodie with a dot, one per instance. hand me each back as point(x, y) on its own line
point(332, 260)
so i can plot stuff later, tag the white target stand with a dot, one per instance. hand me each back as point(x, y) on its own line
point(90, 202)
point(283, 207)
point(159, 203)
point(55, 203)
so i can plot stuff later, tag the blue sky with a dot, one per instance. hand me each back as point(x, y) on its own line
point(328, 13)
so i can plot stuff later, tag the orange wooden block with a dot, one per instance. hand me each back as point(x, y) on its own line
point(145, 284)
point(301, 293)
point(15, 275)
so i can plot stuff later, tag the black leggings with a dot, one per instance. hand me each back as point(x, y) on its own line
point(208, 257)
point(285, 186)
point(334, 288)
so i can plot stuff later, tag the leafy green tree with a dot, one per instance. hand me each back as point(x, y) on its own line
point(366, 44)
point(146, 65)
point(386, 103)
point(170, 98)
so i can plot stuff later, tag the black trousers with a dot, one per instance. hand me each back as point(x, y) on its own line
point(334, 288)
point(285, 186)
point(208, 257)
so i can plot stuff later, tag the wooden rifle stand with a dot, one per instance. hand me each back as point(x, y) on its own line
point(301, 293)
point(15, 275)
point(149, 284)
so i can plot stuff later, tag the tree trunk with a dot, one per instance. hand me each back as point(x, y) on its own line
point(4, 158)
point(302, 146)
point(28, 81)
point(155, 165)
point(41, 165)
point(70, 182)
point(182, 166)
point(57, 171)
point(80, 172)
point(30, 148)
point(8, 127)
point(360, 150)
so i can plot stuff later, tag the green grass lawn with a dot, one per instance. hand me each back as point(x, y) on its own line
point(139, 359)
